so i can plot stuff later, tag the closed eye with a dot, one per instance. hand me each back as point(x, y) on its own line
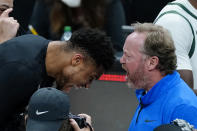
point(2, 10)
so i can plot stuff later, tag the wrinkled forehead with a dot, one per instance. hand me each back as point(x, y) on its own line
point(134, 40)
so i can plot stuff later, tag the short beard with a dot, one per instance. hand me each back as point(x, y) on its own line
point(139, 84)
point(60, 83)
point(138, 79)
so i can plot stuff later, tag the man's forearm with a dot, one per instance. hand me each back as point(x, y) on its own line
point(195, 91)
point(187, 76)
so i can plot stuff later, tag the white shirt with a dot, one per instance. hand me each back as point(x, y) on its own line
point(182, 35)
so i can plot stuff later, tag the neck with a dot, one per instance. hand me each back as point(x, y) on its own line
point(154, 78)
point(53, 58)
point(194, 3)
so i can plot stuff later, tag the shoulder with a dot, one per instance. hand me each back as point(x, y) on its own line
point(180, 96)
point(176, 11)
point(22, 48)
point(186, 112)
point(24, 43)
point(172, 20)
point(30, 38)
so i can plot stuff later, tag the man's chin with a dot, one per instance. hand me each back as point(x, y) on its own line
point(67, 89)
point(63, 88)
point(130, 84)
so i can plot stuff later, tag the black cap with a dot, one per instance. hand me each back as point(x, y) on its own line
point(168, 127)
point(48, 107)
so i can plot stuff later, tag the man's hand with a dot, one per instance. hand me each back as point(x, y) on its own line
point(8, 26)
point(75, 125)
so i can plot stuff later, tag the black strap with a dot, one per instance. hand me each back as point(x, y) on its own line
point(91, 129)
point(191, 52)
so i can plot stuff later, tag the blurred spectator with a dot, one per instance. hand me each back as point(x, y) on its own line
point(8, 25)
point(22, 12)
point(50, 16)
point(142, 10)
point(179, 17)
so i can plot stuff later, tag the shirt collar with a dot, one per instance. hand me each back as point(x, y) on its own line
point(161, 87)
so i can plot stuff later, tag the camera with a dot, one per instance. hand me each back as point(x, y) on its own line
point(81, 121)
point(176, 125)
point(185, 126)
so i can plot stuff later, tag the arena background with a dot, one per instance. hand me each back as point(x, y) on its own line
point(111, 104)
point(109, 101)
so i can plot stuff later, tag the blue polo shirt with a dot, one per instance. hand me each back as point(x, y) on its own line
point(169, 99)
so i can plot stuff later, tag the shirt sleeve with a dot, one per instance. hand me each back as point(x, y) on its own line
point(17, 84)
point(186, 112)
point(182, 35)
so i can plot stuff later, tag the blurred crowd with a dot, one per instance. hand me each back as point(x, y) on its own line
point(158, 55)
point(49, 17)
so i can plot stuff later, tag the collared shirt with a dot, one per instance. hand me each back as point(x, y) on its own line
point(168, 99)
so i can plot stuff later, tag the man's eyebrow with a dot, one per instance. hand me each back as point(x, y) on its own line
point(6, 6)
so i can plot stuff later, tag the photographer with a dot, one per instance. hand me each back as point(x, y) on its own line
point(76, 127)
point(49, 111)
point(73, 125)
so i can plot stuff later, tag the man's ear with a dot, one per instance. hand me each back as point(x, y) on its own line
point(77, 59)
point(152, 63)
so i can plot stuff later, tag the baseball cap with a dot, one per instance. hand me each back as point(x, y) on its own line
point(47, 109)
point(168, 127)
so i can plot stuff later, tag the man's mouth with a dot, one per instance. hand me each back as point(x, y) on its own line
point(68, 88)
point(127, 73)
point(81, 86)
point(127, 76)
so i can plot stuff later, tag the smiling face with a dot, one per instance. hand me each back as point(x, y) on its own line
point(5, 4)
point(133, 60)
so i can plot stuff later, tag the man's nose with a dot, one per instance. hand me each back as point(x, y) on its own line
point(122, 60)
point(87, 86)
